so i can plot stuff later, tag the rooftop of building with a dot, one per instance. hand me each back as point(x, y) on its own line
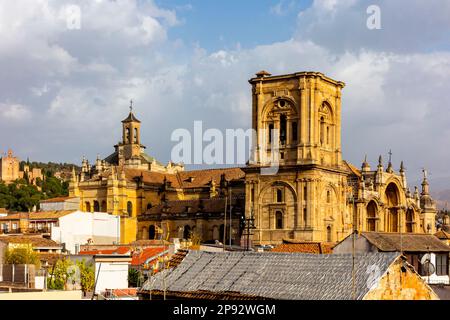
point(272, 275)
point(304, 247)
point(58, 199)
point(34, 241)
point(405, 242)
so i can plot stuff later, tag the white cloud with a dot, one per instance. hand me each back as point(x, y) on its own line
point(77, 83)
point(15, 112)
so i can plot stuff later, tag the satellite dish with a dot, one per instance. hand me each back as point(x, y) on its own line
point(426, 258)
point(428, 268)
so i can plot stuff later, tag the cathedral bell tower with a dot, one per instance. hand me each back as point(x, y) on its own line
point(297, 117)
point(130, 147)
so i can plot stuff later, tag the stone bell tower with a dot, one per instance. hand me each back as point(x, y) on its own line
point(304, 111)
point(130, 147)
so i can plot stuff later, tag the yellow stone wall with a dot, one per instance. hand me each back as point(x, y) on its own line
point(398, 284)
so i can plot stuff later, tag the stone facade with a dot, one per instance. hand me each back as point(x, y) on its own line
point(314, 194)
point(10, 170)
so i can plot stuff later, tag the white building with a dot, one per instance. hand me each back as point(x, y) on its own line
point(78, 228)
point(419, 249)
point(111, 272)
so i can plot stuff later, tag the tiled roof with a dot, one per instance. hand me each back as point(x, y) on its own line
point(441, 234)
point(3, 210)
point(152, 177)
point(119, 250)
point(141, 256)
point(55, 200)
point(272, 275)
point(11, 216)
point(353, 169)
point(49, 214)
point(148, 243)
point(213, 205)
point(35, 241)
point(200, 178)
point(131, 118)
point(304, 247)
point(406, 242)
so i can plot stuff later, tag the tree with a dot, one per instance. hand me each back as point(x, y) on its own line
point(22, 255)
point(87, 276)
point(135, 278)
point(60, 274)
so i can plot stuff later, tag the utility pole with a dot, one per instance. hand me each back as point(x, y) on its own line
point(353, 247)
point(225, 225)
point(231, 220)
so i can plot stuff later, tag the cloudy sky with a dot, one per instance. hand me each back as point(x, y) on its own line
point(65, 84)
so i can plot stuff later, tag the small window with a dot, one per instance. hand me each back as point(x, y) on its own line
point(128, 135)
point(129, 208)
point(328, 196)
point(441, 264)
point(305, 193)
point(294, 131)
point(305, 216)
point(135, 135)
point(279, 219)
point(329, 235)
point(270, 132)
point(283, 124)
point(279, 195)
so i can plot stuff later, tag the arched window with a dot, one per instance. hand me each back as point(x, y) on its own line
point(283, 123)
point(215, 233)
point(371, 216)
point(322, 130)
point(328, 135)
point(279, 220)
point(270, 132)
point(96, 206)
point(151, 232)
point(328, 196)
point(135, 135)
point(392, 200)
point(104, 207)
point(409, 220)
point(130, 208)
point(87, 206)
point(127, 135)
point(279, 195)
point(294, 132)
point(187, 232)
point(149, 206)
point(329, 234)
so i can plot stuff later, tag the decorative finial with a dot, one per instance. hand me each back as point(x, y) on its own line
point(390, 155)
point(131, 105)
point(425, 173)
point(402, 167)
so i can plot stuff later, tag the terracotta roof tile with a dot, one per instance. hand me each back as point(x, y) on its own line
point(35, 241)
point(441, 234)
point(409, 242)
point(140, 257)
point(201, 178)
point(49, 214)
point(305, 247)
point(59, 199)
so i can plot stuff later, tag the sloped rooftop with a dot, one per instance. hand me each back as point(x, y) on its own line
point(291, 276)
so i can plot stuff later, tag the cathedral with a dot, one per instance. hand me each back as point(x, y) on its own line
point(314, 195)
